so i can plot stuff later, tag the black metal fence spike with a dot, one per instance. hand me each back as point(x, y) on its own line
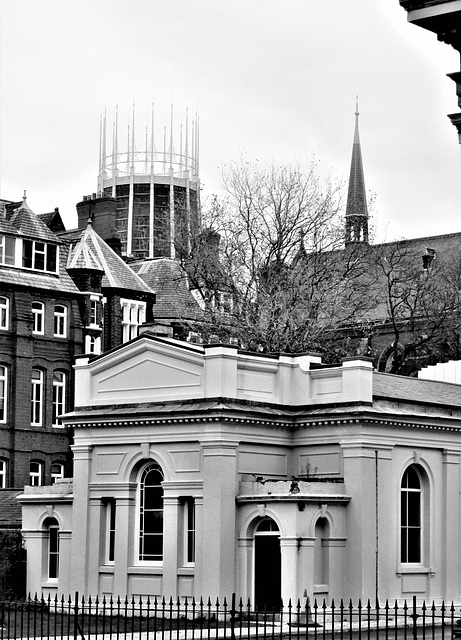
point(129, 616)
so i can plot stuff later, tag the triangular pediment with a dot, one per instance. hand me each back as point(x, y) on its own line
point(148, 371)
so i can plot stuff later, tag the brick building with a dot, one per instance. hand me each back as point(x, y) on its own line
point(59, 296)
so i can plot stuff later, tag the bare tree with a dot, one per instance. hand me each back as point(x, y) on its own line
point(282, 281)
point(420, 303)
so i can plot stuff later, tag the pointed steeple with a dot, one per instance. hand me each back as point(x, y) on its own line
point(356, 209)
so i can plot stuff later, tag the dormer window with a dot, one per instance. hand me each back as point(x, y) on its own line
point(39, 255)
point(7, 247)
point(428, 258)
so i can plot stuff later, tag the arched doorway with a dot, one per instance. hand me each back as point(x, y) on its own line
point(267, 566)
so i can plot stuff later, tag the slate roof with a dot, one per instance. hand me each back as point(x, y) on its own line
point(447, 246)
point(407, 263)
point(23, 221)
point(406, 389)
point(447, 252)
point(27, 223)
point(61, 282)
point(10, 509)
point(398, 400)
point(92, 252)
point(169, 281)
point(7, 227)
point(356, 195)
point(53, 220)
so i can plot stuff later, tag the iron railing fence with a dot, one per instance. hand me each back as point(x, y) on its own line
point(80, 618)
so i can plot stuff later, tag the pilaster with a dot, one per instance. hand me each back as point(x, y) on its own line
point(218, 530)
point(451, 524)
point(171, 530)
point(125, 543)
point(289, 552)
point(80, 517)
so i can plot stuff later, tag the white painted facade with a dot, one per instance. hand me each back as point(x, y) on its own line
point(294, 474)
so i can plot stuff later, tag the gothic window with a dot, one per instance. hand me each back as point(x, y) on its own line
point(151, 514)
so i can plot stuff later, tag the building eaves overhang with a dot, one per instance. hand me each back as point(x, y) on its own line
point(47, 498)
point(30, 280)
point(434, 15)
point(384, 411)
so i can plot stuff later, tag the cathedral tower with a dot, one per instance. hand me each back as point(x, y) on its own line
point(157, 188)
point(356, 209)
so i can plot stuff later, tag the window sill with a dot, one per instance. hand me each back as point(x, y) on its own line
point(320, 588)
point(146, 569)
point(186, 571)
point(414, 569)
point(50, 584)
point(106, 568)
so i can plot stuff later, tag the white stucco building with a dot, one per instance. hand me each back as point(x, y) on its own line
point(203, 470)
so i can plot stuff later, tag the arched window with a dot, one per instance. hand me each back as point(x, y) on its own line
point(3, 393)
point(4, 312)
point(59, 397)
point(52, 552)
point(57, 471)
point(411, 516)
point(93, 344)
point(36, 413)
point(267, 525)
point(60, 320)
point(38, 318)
point(321, 559)
point(151, 514)
point(3, 472)
point(36, 473)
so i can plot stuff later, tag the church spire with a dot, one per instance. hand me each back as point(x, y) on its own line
point(356, 209)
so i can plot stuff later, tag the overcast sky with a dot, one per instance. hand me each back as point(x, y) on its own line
point(275, 79)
